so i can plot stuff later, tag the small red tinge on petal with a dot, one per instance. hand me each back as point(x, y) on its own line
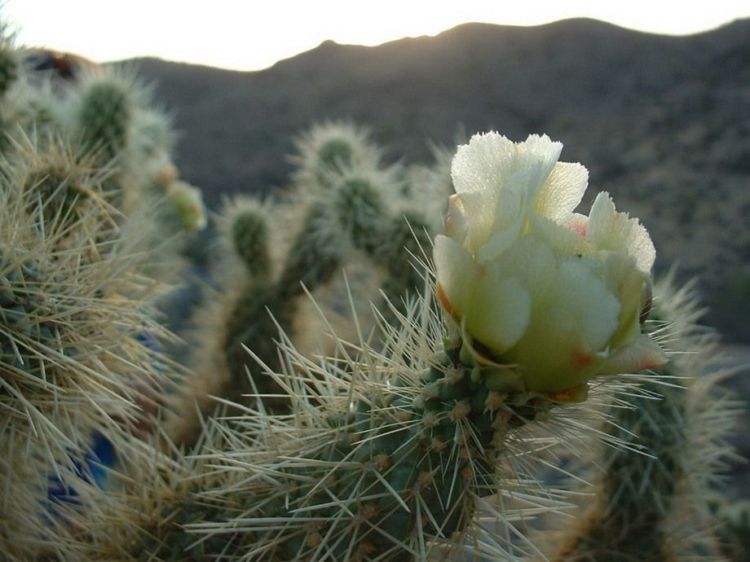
point(579, 227)
point(444, 301)
point(580, 360)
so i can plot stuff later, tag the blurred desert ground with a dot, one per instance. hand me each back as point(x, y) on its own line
point(662, 123)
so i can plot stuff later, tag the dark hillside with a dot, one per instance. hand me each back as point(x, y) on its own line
point(662, 122)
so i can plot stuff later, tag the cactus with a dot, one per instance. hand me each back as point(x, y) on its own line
point(655, 503)
point(369, 409)
point(330, 149)
point(80, 376)
point(390, 455)
point(105, 116)
point(250, 240)
point(71, 312)
point(9, 62)
point(734, 532)
point(393, 446)
point(351, 215)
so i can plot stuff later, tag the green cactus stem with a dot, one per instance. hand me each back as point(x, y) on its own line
point(388, 456)
point(250, 241)
point(104, 118)
point(264, 306)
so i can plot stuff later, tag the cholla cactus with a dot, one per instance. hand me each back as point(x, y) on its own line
point(654, 503)
point(104, 118)
point(408, 434)
point(346, 213)
point(104, 113)
point(79, 376)
point(394, 453)
point(9, 62)
point(72, 310)
point(330, 149)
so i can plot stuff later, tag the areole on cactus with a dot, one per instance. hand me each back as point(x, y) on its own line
point(545, 298)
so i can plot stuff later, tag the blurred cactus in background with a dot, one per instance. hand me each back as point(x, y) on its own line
point(360, 386)
point(282, 265)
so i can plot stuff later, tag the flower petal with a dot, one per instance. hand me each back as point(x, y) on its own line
point(592, 309)
point(535, 160)
point(499, 312)
point(456, 272)
point(639, 356)
point(483, 165)
point(456, 225)
point(562, 192)
point(480, 221)
point(565, 240)
point(610, 230)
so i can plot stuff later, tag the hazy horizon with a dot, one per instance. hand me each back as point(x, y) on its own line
point(229, 38)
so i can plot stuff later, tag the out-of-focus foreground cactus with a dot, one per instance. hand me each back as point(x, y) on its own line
point(390, 389)
point(79, 374)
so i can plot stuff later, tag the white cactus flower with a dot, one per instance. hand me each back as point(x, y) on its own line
point(553, 295)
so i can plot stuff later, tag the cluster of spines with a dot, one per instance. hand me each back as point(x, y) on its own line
point(71, 312)
point(79, 375)
point(104, 116)
point(653, 496)
point(105, 119)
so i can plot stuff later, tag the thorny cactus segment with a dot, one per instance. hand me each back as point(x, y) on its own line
point(264, 305)
point(59, 187)
point(360, 210)
point(551, 296)
point(105, 115)
point(387, 456)
point(734, 532)
point(26, 314)
point(315, 254)
point(9, 66)
point(407, 238)
point(354, 218)
point(336, 153)
point(184, 205)
point(80, 368)
point(72, 310)
point(249, 232)
point(330, 150)
point(638, 491)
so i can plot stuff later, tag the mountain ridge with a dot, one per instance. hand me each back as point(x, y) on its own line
point(662, 122)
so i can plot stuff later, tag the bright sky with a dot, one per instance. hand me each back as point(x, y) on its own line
point(250, 35)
